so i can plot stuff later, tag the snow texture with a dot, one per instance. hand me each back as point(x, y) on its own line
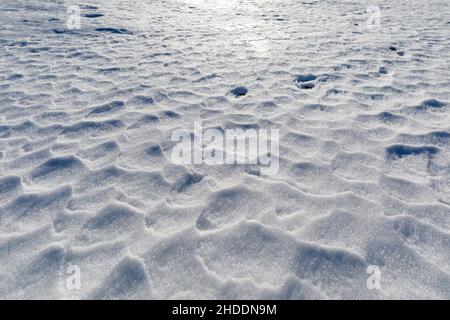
point(86, 177)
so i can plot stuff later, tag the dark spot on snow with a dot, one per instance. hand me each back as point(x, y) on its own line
point(399, 151)
point(109, 70)
point(333, 91)
point(150, 118)
point(253, 170)
point(388, 117)
point(239, 91)
point(15, 76)
point(305, 78)
point(308, 85)
point(93, 15)
point(392, 48)
point(64, 31)
point(187, 181)
point(37, 50)
point(171, 114)
point(154, 150)
point(383, 70)
point(431, 103)
point(113, 30)
point(20, 44)
point(88, 7)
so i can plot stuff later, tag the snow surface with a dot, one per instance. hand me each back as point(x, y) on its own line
point(86, 177)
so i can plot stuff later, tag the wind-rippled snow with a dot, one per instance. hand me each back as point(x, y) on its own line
point(86, 177)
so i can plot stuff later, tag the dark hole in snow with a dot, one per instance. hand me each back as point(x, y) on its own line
point(308, 85)
point(306, 78)
point(239, 91)
point(383, 70)
point(93, 15)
